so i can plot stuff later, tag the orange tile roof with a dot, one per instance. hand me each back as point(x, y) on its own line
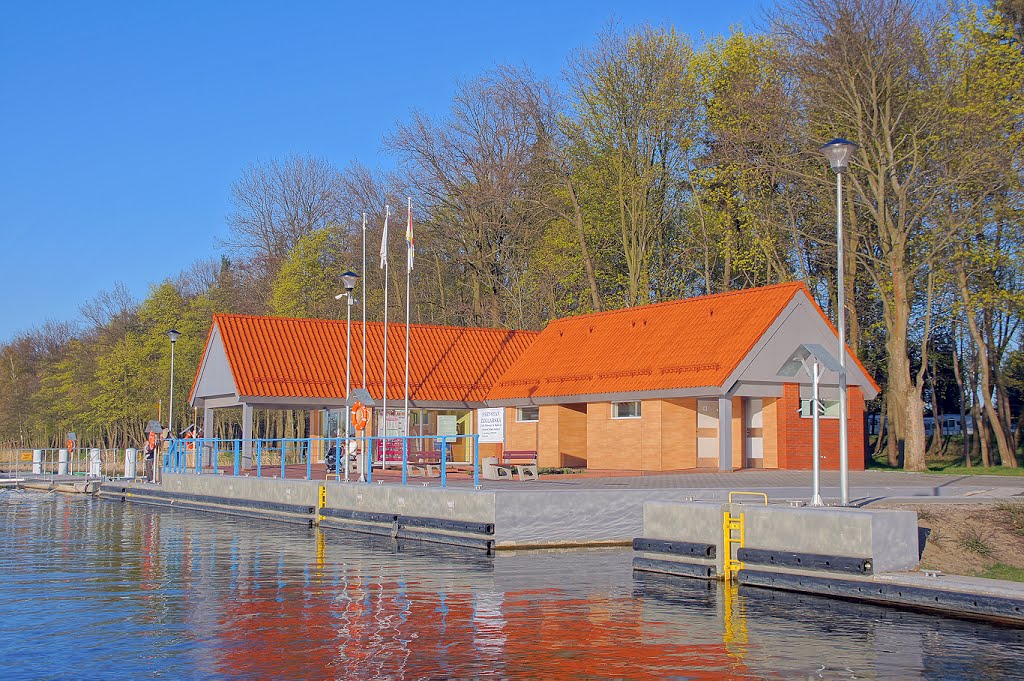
point(691, 343)
point(283, 357)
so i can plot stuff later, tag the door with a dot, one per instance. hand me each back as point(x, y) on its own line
point(754, 432)
point(707, 434)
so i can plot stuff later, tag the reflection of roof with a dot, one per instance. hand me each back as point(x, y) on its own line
point(282, 357)
point(679, 344)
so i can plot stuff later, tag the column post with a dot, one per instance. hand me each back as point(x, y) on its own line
point(210, 445)
point(725, 433)
point(246, 436)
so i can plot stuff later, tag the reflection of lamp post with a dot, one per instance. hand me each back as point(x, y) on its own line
point(349, 280)
point(173, 335)
point(838, 152)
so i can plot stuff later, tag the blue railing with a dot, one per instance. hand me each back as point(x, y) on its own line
point(344, 458)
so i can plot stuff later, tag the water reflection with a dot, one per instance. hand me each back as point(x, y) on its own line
point(96, 589)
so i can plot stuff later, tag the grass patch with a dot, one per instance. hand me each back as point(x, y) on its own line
point(1005, 572)
point(926, 515)
point(948, 465)
point(1014, 510)
point(973, 541)
point(950, 469)
point(559, 471)
point(937, 537)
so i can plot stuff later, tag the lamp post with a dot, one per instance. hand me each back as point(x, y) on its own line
point(838, 153)
point(173, 335)
point(349, 280)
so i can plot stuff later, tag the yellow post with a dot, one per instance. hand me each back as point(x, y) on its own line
point(321, 504)
point(733, 536)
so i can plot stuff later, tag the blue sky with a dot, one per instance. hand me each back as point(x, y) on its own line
point(122, 125)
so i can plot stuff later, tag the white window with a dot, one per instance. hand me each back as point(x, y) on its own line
point(528, 414)
point(625, 410)
point(829, 409)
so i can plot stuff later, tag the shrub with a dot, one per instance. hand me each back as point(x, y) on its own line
point(1014, 510)
point(975, 542)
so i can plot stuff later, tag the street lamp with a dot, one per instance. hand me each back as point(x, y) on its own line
point(349, 280)
point(173, 335)
point(838, 153)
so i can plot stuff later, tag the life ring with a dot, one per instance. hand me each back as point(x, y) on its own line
point(70, 444)
point(360, 416)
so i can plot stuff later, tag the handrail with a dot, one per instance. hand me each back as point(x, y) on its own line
point(756, 494)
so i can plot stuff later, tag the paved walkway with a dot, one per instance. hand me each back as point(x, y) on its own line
point(865, 486)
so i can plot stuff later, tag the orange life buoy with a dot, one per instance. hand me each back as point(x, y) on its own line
point(70, 444)
point(360, 415)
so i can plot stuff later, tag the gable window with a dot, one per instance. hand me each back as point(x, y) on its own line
point(625, 410)
point(528, 414)
point(829, 409)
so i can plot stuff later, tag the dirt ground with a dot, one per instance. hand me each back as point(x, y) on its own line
point(969, 539)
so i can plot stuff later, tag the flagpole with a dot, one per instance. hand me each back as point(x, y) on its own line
point(408, 304)
point(363, 285)
point(384, 398)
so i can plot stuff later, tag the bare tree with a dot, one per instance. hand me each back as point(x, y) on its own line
point(109, 306)
point(471, 171)
point(275, 203)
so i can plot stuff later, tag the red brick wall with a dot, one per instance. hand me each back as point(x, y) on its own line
point(796, 434)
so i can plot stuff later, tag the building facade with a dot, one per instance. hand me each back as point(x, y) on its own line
point(715, 382)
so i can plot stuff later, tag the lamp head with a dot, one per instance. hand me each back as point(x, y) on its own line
point(173, 334)
point(838, 153)
point(349, 280)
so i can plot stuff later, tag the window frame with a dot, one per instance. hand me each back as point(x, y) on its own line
point(519, 415)
point(831, 409)
point(639, 410)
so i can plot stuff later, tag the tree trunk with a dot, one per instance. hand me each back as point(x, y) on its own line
point(935, 447)
point(963, 397)
point(984, 373)
point(881, 430)
point(981, 432)
point(893, 427)
point(852, 239)
point(581, 234)
point(901, 383)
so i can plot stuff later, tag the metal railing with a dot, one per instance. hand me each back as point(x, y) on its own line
point(344, 458)
point(53, 462)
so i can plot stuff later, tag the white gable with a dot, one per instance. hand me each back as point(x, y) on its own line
point(214, 379)
point(799, 323)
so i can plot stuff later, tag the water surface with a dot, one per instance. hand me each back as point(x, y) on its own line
point(94, 589)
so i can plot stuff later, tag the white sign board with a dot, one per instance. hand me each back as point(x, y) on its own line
point(491, 424)
point(447, 425)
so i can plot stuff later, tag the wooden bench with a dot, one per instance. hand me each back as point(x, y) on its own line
point(426, 464)
point(523, 460)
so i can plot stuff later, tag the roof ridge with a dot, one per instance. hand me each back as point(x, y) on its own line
point(235, 315)
point(796, 284)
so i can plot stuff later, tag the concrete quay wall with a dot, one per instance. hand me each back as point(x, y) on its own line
point(524, 518)
point(283, 491)
point(888, 538)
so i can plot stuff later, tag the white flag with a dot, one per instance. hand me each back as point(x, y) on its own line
point(410, 243)
point(384, 238)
